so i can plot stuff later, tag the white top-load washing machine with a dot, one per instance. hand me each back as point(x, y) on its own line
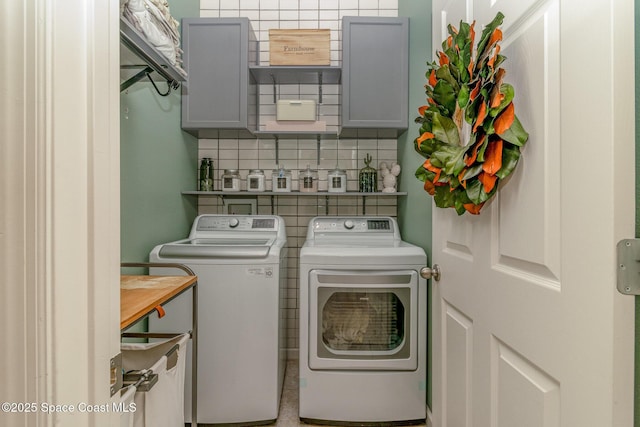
point(363, 324)
point(241, 266)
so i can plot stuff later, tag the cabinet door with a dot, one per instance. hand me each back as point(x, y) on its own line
point(216, 58)
point(375, 72)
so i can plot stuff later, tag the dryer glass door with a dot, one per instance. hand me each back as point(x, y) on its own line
point(363, 320)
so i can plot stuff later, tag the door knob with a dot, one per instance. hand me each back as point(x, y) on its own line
point(431, 273)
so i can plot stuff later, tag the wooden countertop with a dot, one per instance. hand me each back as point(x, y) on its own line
point(140, 295)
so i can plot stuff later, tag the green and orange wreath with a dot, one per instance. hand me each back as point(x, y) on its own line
point(466, 94)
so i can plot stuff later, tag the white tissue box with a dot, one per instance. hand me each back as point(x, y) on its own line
point(296, 109)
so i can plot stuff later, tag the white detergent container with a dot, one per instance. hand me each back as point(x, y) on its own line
point(240, 261)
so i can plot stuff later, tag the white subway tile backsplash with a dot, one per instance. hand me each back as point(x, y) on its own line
point(312, 90)
point(269, 15)
point(348, 4)
point(209, 4)
point(226, 164)
point(267, 155)
point(348, 12)
point(263, 58)
point(230, 5)
point(288, 144)
point(267, 164)
point(228, 155)
point(349, 164)
point(368, 4)
point(287, 91)
point(387, 156)
point(289, 15)
point(208, 144)
point(248, 155)
point(248, 144)
point(210, 13)
point(269, 4)
point(388, 12)
point(308, 156)
point(388, 4)
point(290, 25)
point(369, 12)
point(254, 17)
point(228, 144)
point(288, 155)
point(309, 15)
point(326, 15)
point(231, 13)
point(308, 25)
point(288, 4)
point(249, 4)
point(246, 164)
point(312, 4)
point(267, 144)
point(367, 145)
point(265, 26)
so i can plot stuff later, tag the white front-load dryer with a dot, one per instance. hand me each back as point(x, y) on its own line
point(363, 324)
point(241, 265)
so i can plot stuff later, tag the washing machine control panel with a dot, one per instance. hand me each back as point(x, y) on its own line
point(222, 223)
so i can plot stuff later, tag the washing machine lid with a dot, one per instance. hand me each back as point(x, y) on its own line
point(216, 248)
point(229, 236)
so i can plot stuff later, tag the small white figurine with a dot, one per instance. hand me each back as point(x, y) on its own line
point(389, 175)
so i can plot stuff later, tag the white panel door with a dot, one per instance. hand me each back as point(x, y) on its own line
point(528, 327)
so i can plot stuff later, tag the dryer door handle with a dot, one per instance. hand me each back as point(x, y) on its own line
point(431, 273)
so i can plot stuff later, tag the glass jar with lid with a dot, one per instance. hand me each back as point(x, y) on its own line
point(308, 180)
point(231, 180)
point(281, 180)
point(337, 181)
point(256, 180)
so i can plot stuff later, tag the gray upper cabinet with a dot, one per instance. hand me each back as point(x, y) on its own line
point(375, 72)
point(219, 93)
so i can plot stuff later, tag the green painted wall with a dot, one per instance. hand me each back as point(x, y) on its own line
point(157, 162)
point(414, 211)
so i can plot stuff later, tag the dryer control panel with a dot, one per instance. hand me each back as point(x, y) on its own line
point(322, 225)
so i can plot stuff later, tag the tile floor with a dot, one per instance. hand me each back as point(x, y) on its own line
point(288, 416)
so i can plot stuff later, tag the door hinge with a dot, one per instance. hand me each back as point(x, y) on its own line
point(628, 270)
point(115, 373)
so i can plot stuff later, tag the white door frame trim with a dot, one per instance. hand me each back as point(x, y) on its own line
point(59, 220)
